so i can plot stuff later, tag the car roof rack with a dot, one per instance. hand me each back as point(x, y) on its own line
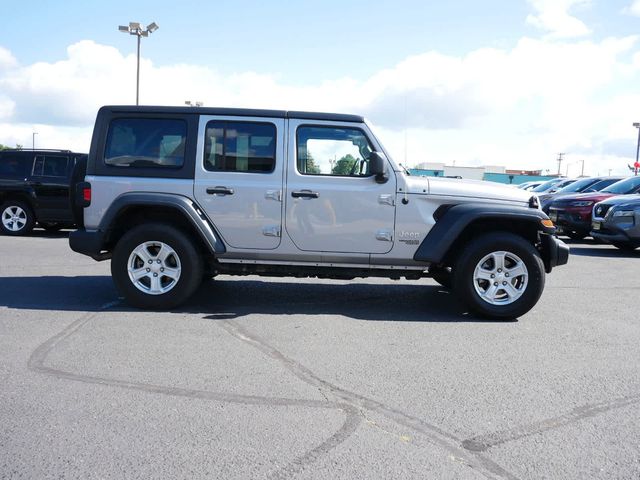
point(36, 150)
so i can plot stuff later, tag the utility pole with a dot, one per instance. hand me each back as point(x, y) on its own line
point(33, 140)
point(582, 172)
point(134, 28)
point(559, 162)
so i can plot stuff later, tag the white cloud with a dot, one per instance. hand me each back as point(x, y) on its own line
point(553, 16)
point(7, 60)
point(516, 107)
point(633, 9)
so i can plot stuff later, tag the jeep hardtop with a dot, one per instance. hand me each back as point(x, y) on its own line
point(173, 195)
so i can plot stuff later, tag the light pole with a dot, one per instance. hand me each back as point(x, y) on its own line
point(637, 125)
point(134, 28)
point(33, 140)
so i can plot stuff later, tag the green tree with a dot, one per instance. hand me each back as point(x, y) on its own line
point(311, 166)
point(344, 165)
point(3, 147)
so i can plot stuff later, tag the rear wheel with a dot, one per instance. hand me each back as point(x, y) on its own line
point(499, 275)
point(155, 266)
point(16, 218)
point(50, 227)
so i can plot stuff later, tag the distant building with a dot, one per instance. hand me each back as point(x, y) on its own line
point(491, 173)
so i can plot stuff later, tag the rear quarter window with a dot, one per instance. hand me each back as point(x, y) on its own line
point(13, 165)
point(146, 143)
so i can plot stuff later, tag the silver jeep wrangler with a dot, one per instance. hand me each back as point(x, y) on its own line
point(173, 195)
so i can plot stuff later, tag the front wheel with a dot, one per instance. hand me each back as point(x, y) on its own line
point(626, 246)
point(155, 266)
point(499, 275)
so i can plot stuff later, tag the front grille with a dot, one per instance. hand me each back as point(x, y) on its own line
point(601, 210)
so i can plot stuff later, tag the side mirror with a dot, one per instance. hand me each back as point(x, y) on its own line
point(378, 167)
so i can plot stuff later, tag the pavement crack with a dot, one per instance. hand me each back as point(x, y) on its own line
point(482, 443)
point(351, 422)
point(437, 436)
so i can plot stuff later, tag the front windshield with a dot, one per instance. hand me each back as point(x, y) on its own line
point(578, 185)
point(546, 185)
point(628, 185)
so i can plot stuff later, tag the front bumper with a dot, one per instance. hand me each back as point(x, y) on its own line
point(89, 243)
point(610, 233)
point(571, 220)
point(554, 251)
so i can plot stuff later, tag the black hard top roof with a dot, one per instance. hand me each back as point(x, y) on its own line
point(240, 112)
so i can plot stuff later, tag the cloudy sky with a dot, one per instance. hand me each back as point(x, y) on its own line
point(497, 82)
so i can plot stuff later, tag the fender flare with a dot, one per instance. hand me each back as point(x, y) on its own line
point(453, 221)
point(183, 204)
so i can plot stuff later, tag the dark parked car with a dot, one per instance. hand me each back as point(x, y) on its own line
point(548, 185)
point(584, 185)
point(34, 188)
point(572, 213)
point(617, 221)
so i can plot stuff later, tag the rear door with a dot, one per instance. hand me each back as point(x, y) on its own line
point(50, 183)
point(239, 178)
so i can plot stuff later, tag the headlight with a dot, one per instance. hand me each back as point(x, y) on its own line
point(581, 204)
point(623, 213)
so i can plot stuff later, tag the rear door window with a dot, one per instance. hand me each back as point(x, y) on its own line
point(240, 147)
point(146, 142)
point(50, 166)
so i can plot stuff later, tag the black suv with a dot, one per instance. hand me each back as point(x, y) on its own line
point(34, 187)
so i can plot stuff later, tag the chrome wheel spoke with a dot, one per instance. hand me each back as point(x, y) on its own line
point(142, 252)
point(156, 286)
point(518, 270)
point(484, 274)
point(498, 259)
point(172, 273)
point(139, 273)
point(511, 290)
point(490, 293)
point(163, 253)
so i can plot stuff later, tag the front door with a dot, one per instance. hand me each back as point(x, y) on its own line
point(239, 176)
point(333, 203)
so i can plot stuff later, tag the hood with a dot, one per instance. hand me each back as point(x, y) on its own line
point(477, 189)
point(624, 200)
point(591, 196)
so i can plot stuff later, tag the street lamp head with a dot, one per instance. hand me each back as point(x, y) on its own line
point(123, 28)
point(636, 124)
point(134, 26)
point(152, 27)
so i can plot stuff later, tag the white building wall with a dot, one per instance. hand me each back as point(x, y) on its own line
point(471, 173)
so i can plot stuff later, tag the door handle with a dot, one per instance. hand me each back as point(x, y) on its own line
point(305, 194)
point(220, 191)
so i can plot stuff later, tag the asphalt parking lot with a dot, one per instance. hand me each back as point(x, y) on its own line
point(261, 378)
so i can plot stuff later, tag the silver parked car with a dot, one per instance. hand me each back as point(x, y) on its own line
point(617, 221)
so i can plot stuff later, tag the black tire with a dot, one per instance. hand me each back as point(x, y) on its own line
point(577, 235)
point(626, 246)
point(51, 227)
point(443, 276)
point(188, 259)
point(465, 286)
point(25, 218)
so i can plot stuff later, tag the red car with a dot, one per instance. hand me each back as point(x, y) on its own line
point(572, 213)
